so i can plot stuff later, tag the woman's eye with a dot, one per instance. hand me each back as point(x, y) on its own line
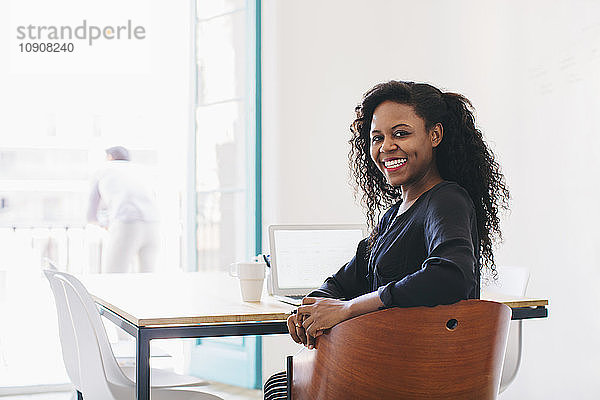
point(375, 139)
point(401, 133)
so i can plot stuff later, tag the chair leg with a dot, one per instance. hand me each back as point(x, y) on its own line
point(289, 369)
point(79, 395)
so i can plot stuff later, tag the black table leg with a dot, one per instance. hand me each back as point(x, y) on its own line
point(142, 361)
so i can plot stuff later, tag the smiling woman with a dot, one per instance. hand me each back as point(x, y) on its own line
point(417, 153)
point(459, 154)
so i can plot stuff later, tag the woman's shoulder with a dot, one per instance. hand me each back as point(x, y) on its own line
point(449, 195)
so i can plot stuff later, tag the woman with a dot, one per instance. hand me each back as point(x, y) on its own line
point(417, 153)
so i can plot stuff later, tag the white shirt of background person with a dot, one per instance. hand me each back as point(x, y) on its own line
point(122, 200)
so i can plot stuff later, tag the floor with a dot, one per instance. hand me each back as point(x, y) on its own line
point(227, 392)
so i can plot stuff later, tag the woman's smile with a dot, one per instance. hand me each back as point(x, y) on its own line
point(394, 163)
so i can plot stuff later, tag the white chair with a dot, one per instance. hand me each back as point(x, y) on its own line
point(124, 353)
point(70, 345)
point(68, 342)
point(94, 381)
point(512, 281)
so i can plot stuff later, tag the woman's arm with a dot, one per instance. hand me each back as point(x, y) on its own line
point(447, 275)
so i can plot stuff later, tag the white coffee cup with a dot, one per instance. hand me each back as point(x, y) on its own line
point(251, 276)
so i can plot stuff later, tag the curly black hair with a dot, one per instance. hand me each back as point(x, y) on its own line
point(462, 157)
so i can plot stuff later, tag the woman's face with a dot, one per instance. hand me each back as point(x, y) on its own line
point(401, 147)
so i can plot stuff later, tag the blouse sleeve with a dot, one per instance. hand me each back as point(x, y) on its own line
point(448, 273)
point(350, 281)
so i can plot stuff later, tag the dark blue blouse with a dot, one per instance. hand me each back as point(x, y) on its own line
point(426, 256)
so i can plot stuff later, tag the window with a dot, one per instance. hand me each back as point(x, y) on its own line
point(227, 167)
point(226, 162)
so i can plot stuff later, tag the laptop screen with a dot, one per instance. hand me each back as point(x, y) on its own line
point(304, 256)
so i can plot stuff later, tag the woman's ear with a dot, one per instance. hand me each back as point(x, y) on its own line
point(436, 134)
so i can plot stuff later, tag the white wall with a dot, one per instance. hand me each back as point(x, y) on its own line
point(530, 69)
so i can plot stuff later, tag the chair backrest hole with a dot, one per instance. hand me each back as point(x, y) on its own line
point(452, 324)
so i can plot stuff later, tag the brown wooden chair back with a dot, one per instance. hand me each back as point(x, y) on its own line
point(444, 352)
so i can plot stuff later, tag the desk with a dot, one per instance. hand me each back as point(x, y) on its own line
point(197, 305)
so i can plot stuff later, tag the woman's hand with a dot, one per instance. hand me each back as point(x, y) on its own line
point(318, 314)
point(296, 330)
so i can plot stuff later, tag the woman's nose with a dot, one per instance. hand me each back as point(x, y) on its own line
point(388, 145)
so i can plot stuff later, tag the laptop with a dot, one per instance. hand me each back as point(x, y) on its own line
point(303, 256)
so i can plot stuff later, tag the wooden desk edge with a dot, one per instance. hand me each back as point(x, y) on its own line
point(186, 321)
point(514, 302)
point(280, 316)
point(212, 319)
point(525, 303)
point(116, 310)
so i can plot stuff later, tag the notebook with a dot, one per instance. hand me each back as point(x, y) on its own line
point(303, 256)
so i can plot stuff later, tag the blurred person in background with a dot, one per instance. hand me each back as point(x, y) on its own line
point(123, 201)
